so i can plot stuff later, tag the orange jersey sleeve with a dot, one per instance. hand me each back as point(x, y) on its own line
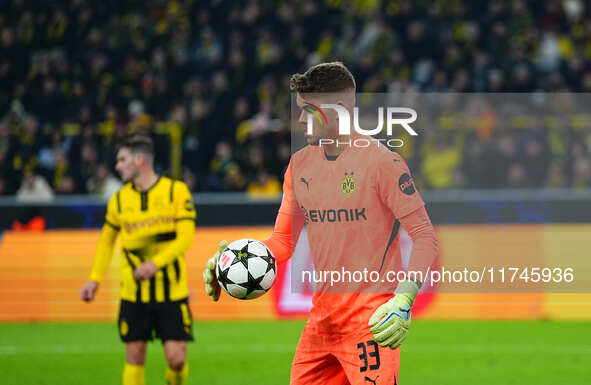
point(425, 246)
point(288, 224)
point(396, 186)
point(398, 191)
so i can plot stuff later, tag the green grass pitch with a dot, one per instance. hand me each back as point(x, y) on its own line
point(258, 353)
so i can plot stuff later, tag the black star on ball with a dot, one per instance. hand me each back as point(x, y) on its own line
point(270, 261)
point(223, 276)
point(253, 284)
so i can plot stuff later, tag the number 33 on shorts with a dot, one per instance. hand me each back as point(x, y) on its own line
point(376, 365)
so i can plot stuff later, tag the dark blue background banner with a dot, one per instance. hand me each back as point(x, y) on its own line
point(229, 211)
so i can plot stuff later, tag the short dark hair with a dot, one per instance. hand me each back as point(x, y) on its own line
point(323, 78)
point(138, 143)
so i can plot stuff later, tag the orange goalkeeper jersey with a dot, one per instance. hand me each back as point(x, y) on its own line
point(350, 206)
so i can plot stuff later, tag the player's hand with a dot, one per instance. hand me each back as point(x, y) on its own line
point(390, 322)
point(145, 271)
point(212, 287)
point(88, 291)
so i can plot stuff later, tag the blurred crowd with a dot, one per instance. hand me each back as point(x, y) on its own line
point(211, 79)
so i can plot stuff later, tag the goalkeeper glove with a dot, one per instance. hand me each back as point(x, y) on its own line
point(390, 322)
point(212, 287)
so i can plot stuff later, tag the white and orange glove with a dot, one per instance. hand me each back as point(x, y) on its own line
point(212, 287)
point(390, 322)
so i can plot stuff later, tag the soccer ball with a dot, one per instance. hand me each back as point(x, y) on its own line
point(246, 269)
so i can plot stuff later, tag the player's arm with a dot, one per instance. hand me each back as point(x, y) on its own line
point(104, 252)
point(390, 322)
point(185, 231)
point(425, 246)
point(288, 225)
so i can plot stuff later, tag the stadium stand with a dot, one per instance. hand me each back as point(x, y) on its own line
point(209, 81)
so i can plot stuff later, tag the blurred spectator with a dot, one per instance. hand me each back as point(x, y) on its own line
point(233, 179)
point(77, 73)
point(225, 173)
point(556, 177)
point(61, 173)
point(88, 167)
point(582, 176)
point(504, 154)
point(190, 179)
point(441, 160)
point(103, 183)
point(66, 185)
point(474, 164)
point(264, 186)
point(517, 177)
point(254, 162)
point(34, 188)
point(4, 188)
point(8, 175)
point(535, 163)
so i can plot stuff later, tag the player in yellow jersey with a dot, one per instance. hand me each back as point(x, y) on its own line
point(155, 218)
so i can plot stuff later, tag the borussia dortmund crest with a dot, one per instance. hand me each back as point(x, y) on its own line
point(348, 184)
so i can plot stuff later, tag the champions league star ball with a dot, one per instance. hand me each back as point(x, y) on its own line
point(246, 269)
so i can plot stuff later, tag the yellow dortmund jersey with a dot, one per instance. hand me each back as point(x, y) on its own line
point(147, 223)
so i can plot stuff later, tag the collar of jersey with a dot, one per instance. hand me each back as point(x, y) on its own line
point(148, 189)
point(354, 137)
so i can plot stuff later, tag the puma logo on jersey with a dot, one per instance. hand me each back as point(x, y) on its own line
point(406, 312)
point(306, 182)
point(372, 381)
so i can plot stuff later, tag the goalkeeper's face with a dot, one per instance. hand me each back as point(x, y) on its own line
point(319, 127)
point(127, 165)
point(319, 123)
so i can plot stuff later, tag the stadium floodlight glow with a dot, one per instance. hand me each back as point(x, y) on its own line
point(345, 119)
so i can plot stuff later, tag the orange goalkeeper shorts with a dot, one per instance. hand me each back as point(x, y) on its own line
point(355, 359)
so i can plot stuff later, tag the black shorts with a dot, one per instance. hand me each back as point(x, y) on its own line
point(165, 320)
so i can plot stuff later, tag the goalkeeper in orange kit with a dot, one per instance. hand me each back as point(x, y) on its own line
point(353, 201)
